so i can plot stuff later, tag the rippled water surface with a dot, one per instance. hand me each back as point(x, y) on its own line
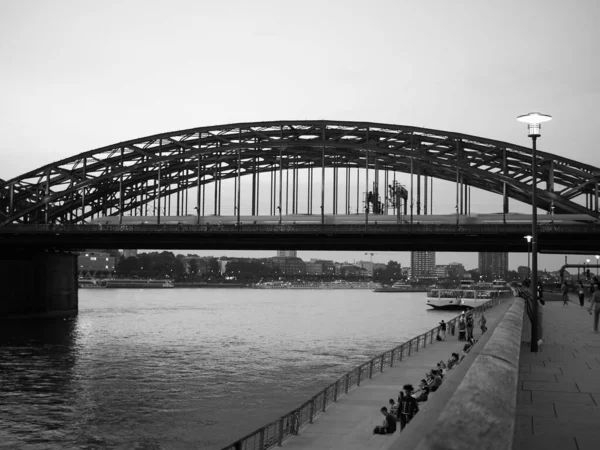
point(187, 368)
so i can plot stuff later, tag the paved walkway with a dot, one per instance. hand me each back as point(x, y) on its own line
point(558, 403)
point(348, 424)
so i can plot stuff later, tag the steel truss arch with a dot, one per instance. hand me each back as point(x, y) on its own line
point(127, 175)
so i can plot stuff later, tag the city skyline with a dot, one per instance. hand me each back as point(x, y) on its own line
point(545, 262)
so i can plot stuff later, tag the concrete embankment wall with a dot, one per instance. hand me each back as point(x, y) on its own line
point(476, 406)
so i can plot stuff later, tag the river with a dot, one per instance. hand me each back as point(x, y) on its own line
point(187, 368)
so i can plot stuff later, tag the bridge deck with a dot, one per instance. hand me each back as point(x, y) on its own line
point(348, 424)
point(558, 404)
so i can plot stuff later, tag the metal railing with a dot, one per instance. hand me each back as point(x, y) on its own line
point(294, 228)
point(291, 424)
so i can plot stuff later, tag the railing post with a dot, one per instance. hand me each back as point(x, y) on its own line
point(381, 364)
point(325, 399)
point(410, 347)
point(358, 376)
point(418, 339)
point(335, 391)
point(280, 440)
point(392, 357)
point(311, 410)
point(346, 383)
point(261, 438)
point(371, 369)
point(237, 445)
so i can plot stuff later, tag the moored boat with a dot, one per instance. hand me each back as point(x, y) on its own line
point(458, 298)
point(138, 284)
point(396, 287)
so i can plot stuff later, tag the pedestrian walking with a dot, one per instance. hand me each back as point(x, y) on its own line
point(565, 293)
point(596, 304)
point(482, 322)
point(443, 330)
point(581, 293)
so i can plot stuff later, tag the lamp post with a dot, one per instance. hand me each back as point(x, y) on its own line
point(597, 258)
point(588, 268)
point(528, 237)
point(534, 125)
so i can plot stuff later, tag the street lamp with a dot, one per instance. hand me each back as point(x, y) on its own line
point(534, 126)
point(597, 258)
point(528, 237)
point(588, 267)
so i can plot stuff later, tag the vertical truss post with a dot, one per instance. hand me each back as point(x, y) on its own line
point(216, 168)
point(46, 200)
point(280, 184)
point(418, 189)
point(323, 184)
point(254, 184)
point(239, 185)
point(83, 191)
point(158, 191)
point(425, 194)
point(121, 191)
point(198, 193)
point(366, 186)
point(357, 189)
point(287, 188)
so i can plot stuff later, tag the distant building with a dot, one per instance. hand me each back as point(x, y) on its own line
point(320, 267)
point(95, 264)
point(493, 265)
point(287, 253)
point(130, 253)
point(422, 264)
point(290, 266)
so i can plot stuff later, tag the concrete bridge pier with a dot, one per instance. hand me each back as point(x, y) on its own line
point(38, 284)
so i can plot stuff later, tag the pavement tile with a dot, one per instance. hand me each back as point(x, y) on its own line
point(545, 426)
point(524, 426)
point(538, 376)
point(545, 443)
point(538, 410)
point(524, 397)
point(589, 441)
point(564, 397)
point(565, 386)
point(589, 386)
point(576, 412)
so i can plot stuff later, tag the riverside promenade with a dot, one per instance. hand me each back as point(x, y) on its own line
point(558, 397)
point(349, 423)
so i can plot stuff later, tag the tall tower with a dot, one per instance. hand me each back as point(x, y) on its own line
point(288, 253)
point(422, 264)
point(493, 265)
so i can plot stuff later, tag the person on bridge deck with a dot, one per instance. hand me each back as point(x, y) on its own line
point(389, 423)
point(565, 293)
point(393, 408)
point(581, 293)
point(596, 304)
point(407, 405)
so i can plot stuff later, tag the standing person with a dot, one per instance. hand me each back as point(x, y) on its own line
point(407, 405)
point(581, 293)
point(565, 294)
point(443, 330)
point(482, 322)
point(596, 304)
point(469, 325)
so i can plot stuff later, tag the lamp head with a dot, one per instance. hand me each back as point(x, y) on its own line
point(534, 122)
point(528, 237)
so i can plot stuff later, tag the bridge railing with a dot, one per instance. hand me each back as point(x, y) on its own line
point(291, 424)
point(422, 228)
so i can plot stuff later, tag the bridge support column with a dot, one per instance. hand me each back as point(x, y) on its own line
point(38, 284)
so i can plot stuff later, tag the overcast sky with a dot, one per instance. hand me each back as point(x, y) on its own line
point(78, 75)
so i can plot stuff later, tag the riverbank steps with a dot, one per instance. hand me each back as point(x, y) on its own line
point(348, 423)
point(558, 398)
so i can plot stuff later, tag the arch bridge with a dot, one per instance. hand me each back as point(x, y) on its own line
point(173, 173)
